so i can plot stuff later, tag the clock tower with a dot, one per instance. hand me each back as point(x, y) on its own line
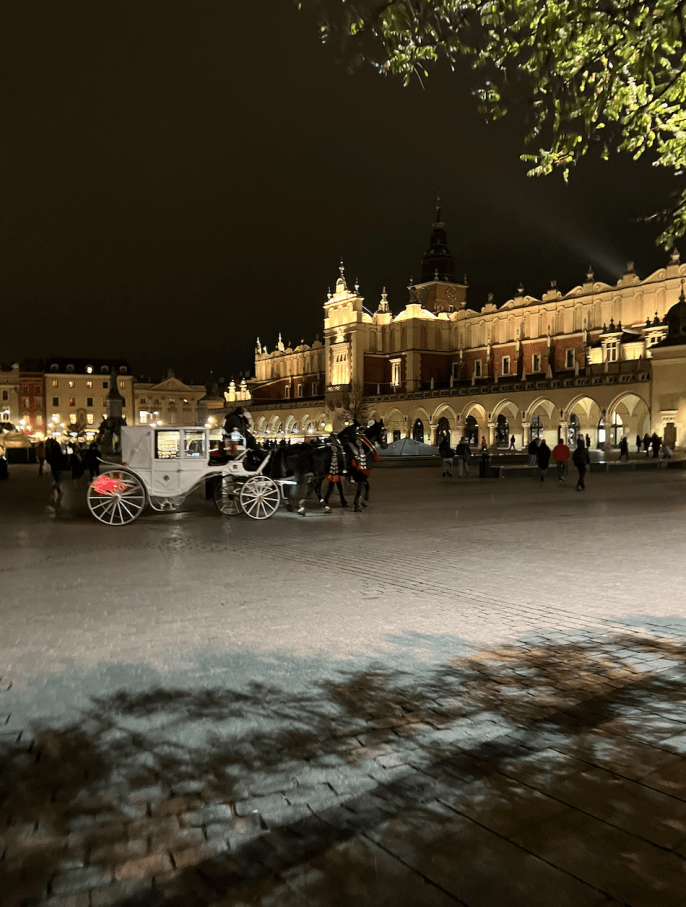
point(439, 291)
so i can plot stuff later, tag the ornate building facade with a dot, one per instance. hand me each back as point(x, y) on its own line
point(592, 361)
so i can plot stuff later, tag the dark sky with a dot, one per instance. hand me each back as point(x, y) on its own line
point(178, 178)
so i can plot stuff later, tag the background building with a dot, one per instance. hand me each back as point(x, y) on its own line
point(572, 363)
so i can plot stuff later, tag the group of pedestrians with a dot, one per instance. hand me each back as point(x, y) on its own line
point(462, 454)
point(540, 456)
point(71, 458)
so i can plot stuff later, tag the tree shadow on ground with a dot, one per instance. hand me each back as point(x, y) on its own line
point(450, 777)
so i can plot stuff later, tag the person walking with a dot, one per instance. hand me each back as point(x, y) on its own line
point(656, 444)
point(447, 453)
point(581, 460)
point(512, 443)
point(543, 458)
point(463, 454)
point(624, 449)
point(91, 459)
point(40, 453)
point(532, 451)
point(639, 443)
point(561, 453)
point(646, 443)
point(57, 460)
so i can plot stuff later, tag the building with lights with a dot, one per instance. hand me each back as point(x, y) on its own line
point(76, 392)
point(598, 360)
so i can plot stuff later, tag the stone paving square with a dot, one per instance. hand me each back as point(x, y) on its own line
point(472, 695)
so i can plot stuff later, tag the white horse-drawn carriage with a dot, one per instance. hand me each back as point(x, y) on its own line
point(162, 466)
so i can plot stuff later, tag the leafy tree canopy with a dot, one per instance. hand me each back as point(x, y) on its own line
point(607, 74)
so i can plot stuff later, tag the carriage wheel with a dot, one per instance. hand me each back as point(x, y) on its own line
point(226, 496)
point(260, 497)
point(116, 497)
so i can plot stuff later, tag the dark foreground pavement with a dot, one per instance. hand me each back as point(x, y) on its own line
point(472, 693)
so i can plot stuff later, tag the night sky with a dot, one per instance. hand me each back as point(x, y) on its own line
point(178, 178)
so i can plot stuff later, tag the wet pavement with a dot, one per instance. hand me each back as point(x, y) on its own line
point(474, 692)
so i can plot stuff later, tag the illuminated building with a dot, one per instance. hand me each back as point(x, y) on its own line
point(584, 362)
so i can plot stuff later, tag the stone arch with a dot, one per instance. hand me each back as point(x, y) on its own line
point(628, 415)
point(543, 417)
point(395, 424)
point(261, 423)
point(445, 422)
point(582, 414)
point(475, 422)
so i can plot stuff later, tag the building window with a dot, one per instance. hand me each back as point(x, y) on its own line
point(55, 401)
point(5, 395)
point(89, 384)
point(143, 418)
point(287, 390)
point(71, 384)
point(70, 368)
point(300, 390)
point(142, 400)
point(72, 418)
point(89, 418)
point(122, 384)
point(477, 368)
point(105, 385)
point(89, 401)
point(395, 372)
point(536, 365)
point(569, 359)
point(103, 370)
point(172, 418)
point(611, 351)
point(53, 367)
point(72, 401)
point(39, 419)
point(506, 365)
point(27, 403)
point(315, 388)
point(55, 382)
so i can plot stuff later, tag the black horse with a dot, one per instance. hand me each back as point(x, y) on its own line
point(362, 457)
point(308, 464)
point(359, 451)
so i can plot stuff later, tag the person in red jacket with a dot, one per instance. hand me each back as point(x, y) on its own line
point(561, 454)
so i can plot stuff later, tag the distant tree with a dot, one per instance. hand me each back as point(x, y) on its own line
point(356, 408)
point(609, 74)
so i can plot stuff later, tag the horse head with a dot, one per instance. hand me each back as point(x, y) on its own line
point(377, 434)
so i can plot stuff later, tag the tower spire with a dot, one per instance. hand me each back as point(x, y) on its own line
point(438, 263)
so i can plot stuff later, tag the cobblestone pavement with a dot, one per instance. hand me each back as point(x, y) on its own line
point(472, 693)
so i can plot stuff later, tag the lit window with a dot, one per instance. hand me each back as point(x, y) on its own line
point(72, 401)
point(194, 444)
point(506, 365)
point(168, 444)
point(72, 418)
point(395, 372)
point(39, 419)
point(611, 350)
point(287, 391)
point(300, 390)
point(89, 418)
point(143, 417)
point(89, 370)
point(71, 384)
point(89, 384)
point(122, 384)
point(55, 382)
